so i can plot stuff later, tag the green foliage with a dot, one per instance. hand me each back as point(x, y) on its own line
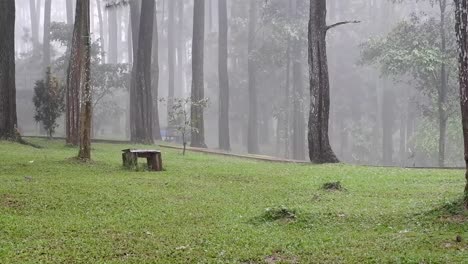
point(412, 48)
point(49, 102)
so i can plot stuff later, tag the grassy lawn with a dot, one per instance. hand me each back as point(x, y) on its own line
point(211, 209)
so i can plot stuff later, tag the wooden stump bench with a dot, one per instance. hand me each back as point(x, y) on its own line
point(153, 157)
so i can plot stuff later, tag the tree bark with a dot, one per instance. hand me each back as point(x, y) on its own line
point(78, 116)
point(320, 150)
point(77, 72)
point(8, 118)
point(223, 123)
point(198, 93)
point(252, 135)
point(141, 99)
point(86, 114)
point(46, 41)
point(461, 26)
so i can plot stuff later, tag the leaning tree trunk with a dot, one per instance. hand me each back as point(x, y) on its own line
point(198, 93)
point(78, 83)
point(8, 119)
point(252, 135)
point(461, 20)
point(320, 150)
point(223, 125)
point(141, 104)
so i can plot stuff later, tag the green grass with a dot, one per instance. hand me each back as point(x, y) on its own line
point(211, 209)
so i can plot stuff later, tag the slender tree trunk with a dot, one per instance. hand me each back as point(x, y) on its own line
point(113, 42)
point(46, 43)
point(320, 150)
point(252, 136)
point(442, 94)
point(223, 123)
point(298, 116)
point(86, 114)
point(34, 25)
point(388, 119)
point(198, 93)
point(180, 50)
point(298, 88)
point(141, 104)
point(171, 48)
point(8, 118)
point(461, 26)
point(101, 31)
point(286, 115)
point(155, 80)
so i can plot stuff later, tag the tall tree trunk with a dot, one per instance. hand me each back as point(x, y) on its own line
point(78, 87)
point(461, 26)
point(46, 43)
point(135, 8)
point(181, 50)
point(442, 94)
point(86, 114)
point(113, 41)
point(69, 7)
point(298, 94)
point(34, 25)
point(101, 31)
point(388, 119)
point(155, 80)
point(8, 118)
point(223, 123)
point(198, 93)
point(320, 150)
point(287, 104)
point(141, 99)
point(252, 135)
point(171, 57)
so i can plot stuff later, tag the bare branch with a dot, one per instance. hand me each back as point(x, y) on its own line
point(343, 23)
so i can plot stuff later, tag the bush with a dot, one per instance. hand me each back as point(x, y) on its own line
point(49, 102)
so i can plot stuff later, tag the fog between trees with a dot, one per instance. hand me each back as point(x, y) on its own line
point(393, 76)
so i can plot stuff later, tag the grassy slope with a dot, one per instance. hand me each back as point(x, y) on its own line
point(207, 209)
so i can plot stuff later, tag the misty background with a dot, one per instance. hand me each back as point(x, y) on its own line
point(386, 74)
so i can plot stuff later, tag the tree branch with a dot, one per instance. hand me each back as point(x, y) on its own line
point(343, 23)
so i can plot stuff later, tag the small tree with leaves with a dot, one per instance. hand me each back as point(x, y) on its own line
point(179, 116)
point(49, 102)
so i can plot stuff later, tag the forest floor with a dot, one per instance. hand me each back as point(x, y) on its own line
point(216, 209)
